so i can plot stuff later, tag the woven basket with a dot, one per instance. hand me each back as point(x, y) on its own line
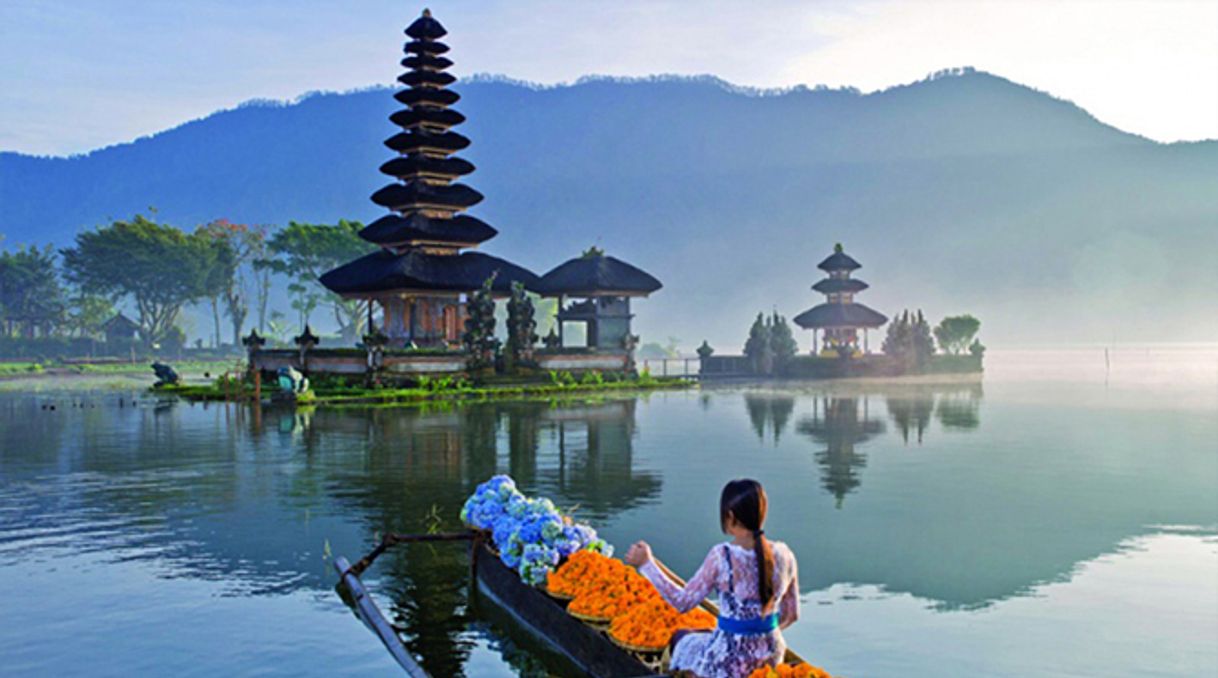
point(641, 649)
point(589, 619)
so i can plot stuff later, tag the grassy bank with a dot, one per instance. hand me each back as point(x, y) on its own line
point(20, 368)
point(54, 368)
point(434, 391)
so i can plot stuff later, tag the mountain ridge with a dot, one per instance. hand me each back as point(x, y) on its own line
point(705, 185)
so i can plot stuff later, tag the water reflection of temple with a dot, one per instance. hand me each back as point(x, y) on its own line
point(840, 424)
point(769, 414)
point(414, 462)
point(956, 408)
point(595, 466)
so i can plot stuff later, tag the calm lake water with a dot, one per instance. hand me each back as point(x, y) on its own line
point(1058, 519)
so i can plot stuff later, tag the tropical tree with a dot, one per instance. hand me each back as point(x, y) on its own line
point(303, 252)
point(757, 348)
point(157, 267)
point(479, 339)
point(305, 299)
point(955, 333)
point(218, 275)
point(923, 344)
point(897, 341)
point(88, 314)
point(521, 327)
point(31, 297)
point(243, 246)
point(782, 342)
point(909, 340)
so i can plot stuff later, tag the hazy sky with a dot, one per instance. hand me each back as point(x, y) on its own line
point(78, 74)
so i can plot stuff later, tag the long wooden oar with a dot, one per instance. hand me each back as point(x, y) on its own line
point(791, 657)
point(372, 617)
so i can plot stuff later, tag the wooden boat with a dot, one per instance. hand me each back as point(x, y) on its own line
point(586, 646)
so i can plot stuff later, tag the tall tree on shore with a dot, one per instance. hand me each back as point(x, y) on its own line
point(242, 247)
point(218, 275)
point(479, 339)
point(758, 348)
point(955, 333)
point(303, 252)
point(31, 296)
point(521, 327)
point(782, 342)
point(909, 340)
point(88, 314)
point(157, 267)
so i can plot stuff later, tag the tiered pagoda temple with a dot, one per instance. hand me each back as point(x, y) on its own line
point(840, 318)
point(424, 269)
point(602, 286)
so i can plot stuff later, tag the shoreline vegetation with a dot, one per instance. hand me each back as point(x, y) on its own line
point(51, 369)
point(445, 389)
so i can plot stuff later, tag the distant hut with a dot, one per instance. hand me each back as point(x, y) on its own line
point(840, 318)
point(420, 276)
point(603, 286)
point(121, 330)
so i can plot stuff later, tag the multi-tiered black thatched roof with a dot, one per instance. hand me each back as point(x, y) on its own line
point(423, 237)
point(416, 270)
point(839, 311)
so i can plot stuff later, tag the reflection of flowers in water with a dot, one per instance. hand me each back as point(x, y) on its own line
point(531, 535)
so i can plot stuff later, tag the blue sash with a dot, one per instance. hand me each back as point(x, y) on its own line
point(749, 627)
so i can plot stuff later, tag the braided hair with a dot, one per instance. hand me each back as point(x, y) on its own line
point(745, 501)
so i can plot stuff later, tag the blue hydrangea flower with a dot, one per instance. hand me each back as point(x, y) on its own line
point(531, 535)
point(551, 530)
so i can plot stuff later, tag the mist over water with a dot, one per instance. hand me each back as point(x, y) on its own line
point(1056, 518)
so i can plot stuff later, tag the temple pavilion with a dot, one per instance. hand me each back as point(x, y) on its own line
point(424, 269)
point(600, 287)
point(840, 318)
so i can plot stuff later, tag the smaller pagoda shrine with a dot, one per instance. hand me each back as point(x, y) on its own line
point(602, 287)
point(840, 318)
point(421, 276)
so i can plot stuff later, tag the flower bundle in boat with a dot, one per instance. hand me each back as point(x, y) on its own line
point(603, 590)
point(651, 625)
point(530, 534)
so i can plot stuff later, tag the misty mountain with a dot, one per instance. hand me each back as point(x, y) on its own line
point(960, 193)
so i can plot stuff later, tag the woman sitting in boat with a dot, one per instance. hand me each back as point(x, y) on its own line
point(757, 583)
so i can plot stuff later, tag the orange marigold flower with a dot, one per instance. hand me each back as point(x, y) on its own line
point(790, 671)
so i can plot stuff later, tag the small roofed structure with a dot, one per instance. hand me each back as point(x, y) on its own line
point(840, 318)
point(121, 330)
point(421, 275)
point(603, 286)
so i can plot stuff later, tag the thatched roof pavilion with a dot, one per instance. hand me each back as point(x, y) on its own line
point(606, 285)
point(596, 275)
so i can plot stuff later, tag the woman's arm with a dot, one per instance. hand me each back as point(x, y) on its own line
point(788, 607)
point(695, 591)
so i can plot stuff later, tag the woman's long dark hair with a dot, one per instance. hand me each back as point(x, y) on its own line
point(745, 501)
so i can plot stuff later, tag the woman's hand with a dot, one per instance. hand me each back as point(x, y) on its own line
point(639, 553)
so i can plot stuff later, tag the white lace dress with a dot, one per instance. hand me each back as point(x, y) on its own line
point(731, 572)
